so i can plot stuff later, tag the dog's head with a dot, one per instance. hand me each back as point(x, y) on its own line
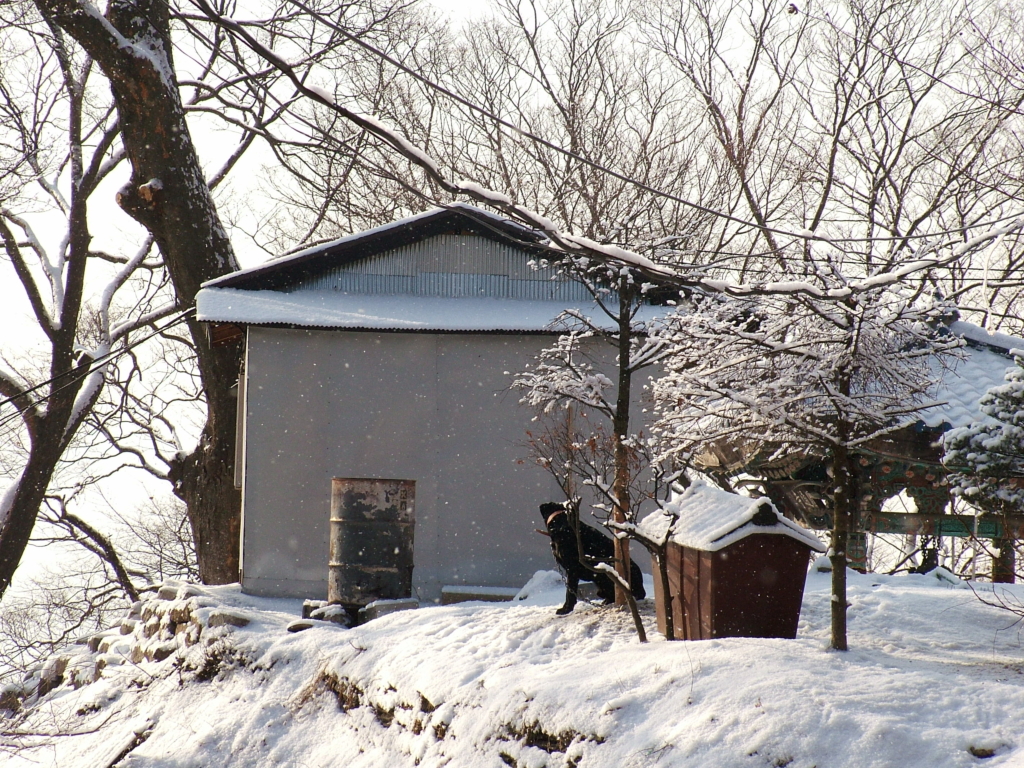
point(555, 517)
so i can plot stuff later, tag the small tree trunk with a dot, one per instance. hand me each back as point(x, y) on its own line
point(840, 538)
point(51, 429)
point(661, 557)
point(16, 530)
point(1004, 565)
point(620, 426)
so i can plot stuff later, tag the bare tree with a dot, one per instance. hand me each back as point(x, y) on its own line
point(879, 127)
point(780, 377)
point(60, 143)
point(144, 119)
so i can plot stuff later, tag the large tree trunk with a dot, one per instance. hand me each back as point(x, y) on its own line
point(168, 195)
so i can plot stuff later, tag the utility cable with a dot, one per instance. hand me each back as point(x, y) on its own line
point(94, 366)
point(579, 158)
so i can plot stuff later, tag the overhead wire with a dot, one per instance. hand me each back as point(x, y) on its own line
point(458, 98)
point(80, 373)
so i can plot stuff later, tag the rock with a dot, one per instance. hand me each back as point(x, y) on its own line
point(380, 608)
point(128, 626)
point(302, 624)
point(10, 698)
point(336, 614)
point(94, 641)
point(180, 611)
point(167, 592)
point(224, 618)
point(308, 606)
point(161, 651)
point(52, 674)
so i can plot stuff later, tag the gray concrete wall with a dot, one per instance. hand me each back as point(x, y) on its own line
point(433, 408)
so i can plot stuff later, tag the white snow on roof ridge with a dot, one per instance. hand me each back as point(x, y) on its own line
point(707, 518)
point(334, 309)
point(976, 333)
point(356, 236)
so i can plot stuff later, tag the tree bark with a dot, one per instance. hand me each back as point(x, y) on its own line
point(661, 557)
point(840, 539)
point(620, 427)
point(168, 194)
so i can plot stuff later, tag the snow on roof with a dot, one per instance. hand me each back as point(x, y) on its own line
point(499, 223)
point(708, 518)
point(986, 360)
point(979, 335)
point(333, 309)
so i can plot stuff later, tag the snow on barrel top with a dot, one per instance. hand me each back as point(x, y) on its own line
point(708, 518)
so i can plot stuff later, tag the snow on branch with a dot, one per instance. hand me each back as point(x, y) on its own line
point(574, 245)
point(43, 316)
point(796, 376)
point(560, 376)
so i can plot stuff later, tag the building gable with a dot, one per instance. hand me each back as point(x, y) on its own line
point(457, 220)
point(447, 266)
point(457, 269)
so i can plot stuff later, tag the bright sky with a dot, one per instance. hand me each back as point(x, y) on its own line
point(114, 231)
point(461, 9)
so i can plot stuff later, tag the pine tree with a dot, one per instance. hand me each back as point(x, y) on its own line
point(988, 456)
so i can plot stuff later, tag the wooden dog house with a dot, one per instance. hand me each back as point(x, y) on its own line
point(736, 568)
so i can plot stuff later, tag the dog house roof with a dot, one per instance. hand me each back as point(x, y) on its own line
point(708, 518)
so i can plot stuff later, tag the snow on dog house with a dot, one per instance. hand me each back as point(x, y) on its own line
point(385, 355)
point(735, 567)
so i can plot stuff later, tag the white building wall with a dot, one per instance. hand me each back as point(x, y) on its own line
point(433, 408)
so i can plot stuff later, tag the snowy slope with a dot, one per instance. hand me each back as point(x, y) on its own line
point(933, 675)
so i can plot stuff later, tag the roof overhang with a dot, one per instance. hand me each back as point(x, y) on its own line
point(345, 311)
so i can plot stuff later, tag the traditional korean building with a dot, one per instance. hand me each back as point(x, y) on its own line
point(907, 461)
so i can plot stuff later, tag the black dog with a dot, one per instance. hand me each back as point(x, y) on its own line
point(597, 548)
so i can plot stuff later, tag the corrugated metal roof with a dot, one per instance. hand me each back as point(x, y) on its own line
point(333, 309)
point(448, 266)
point(454, 219)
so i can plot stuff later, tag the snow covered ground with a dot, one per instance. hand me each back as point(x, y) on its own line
point(935, 678)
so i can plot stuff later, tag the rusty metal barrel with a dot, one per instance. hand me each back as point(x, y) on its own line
point(371, 540)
